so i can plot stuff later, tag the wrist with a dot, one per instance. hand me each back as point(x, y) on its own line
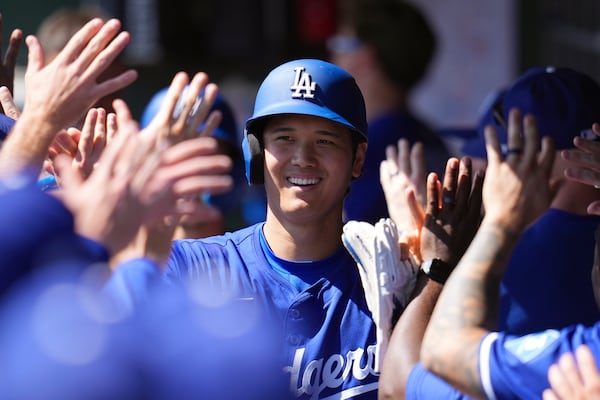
point(436, 269)
point(502, 222)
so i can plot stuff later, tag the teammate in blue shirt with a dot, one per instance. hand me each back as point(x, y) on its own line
point(388, 47)
point(458, 345)
point(306, 142)
point(546, 283)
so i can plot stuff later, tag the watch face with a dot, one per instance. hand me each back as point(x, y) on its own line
point(437, 270)
point(426, 266)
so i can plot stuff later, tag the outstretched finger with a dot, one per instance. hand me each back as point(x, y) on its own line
point(80, 40)
point(69, 177)
point(465, 178)
point(548, 394)
point(532, 142)
point(170, 107)
point(212, 123)
point(123, 113)
point(515, 136)
point(202, 108)
point(12, 51)
point(546, 156)
point(492, 146)
point(35, 55)
point(103, 60)
point(98, 43)
point(190, 100)
point(8, 104)
point(86, 140)
point(433, 194)
point(111, 127)
point(403, 157)
point(417, 160)
point(588, 367)
point(449, 185)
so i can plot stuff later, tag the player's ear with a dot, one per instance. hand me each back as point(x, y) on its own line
point(359, 159)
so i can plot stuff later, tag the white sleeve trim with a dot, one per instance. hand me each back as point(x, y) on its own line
point(484, 364)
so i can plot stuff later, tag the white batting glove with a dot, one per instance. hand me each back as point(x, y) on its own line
point(388, 277)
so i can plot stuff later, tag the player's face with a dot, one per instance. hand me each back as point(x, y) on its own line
point(309, 164)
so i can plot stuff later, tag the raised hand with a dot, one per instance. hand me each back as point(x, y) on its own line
point(587, 156)
point(453, 212)
point(68, 86)
point(574, 378)
point(517, 190)
point(182, 111)
point(84, 146)
point(402, 175)
point(138, 183)
point(9, 62)
point(57, 94)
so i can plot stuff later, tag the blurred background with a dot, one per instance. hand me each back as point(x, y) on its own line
point(483, 44)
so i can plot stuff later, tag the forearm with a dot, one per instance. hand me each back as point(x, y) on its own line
point(405, 343)
point(467, 308)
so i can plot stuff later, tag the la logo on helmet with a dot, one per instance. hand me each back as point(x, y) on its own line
point(303, 87)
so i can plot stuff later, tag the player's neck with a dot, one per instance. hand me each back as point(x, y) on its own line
point(302, 242)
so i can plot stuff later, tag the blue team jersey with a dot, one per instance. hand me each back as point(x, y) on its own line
point(424, 385)
point(516, 367)
point(547, 284)
point(547, 281)
point(511, 367)
point(328, 336)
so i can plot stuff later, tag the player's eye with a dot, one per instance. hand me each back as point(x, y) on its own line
point(283, 138)
point(325, 141)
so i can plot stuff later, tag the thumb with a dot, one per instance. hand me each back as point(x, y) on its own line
point(35, 54)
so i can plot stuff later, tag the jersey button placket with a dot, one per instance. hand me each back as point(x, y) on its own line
point(294, 339)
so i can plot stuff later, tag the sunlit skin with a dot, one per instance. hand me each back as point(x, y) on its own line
point(308, 168)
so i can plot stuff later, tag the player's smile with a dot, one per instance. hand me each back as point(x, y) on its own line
point(298, 181)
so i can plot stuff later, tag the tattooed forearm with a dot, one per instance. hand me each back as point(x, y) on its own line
point(467, 308)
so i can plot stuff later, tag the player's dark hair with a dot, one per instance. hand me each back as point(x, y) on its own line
point(400, 34)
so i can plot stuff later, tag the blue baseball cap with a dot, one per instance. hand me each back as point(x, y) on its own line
point(565, 103)
point(490, 113)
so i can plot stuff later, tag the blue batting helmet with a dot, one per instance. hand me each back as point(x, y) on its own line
point(306, 87)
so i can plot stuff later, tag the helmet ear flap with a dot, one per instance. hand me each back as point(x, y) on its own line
point(254, 158)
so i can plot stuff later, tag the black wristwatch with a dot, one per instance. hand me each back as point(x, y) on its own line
point(436, 270)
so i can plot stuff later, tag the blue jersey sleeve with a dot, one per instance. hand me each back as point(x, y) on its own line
point(218, 266)
point(516, 367)
point(131, 283)
point(423, 385)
